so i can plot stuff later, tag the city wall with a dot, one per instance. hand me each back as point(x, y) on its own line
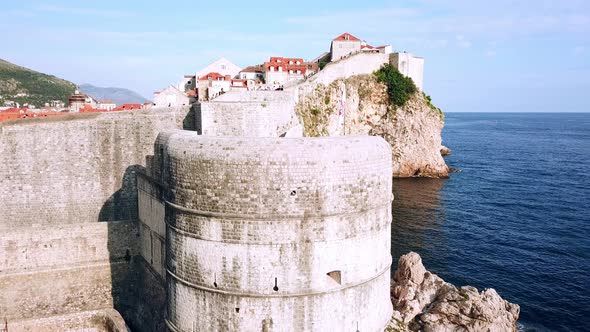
point(60, 177)
point(356, 64)
point(76, 168)
point(64, 269)
point(249, 114)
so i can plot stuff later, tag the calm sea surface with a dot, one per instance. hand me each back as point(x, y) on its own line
point(516, 218)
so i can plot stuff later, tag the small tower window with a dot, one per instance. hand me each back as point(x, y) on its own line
point(336, 276)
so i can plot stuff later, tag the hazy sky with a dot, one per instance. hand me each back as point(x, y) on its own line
point(500, 55)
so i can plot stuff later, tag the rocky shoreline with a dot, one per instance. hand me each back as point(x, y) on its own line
point(422, 301)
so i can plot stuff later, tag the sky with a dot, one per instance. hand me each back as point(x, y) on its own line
point(480, 56)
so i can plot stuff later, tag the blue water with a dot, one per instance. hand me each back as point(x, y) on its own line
point(516, 218)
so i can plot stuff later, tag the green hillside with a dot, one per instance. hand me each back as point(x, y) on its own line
point(28, 86)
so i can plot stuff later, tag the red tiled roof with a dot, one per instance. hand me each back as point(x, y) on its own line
point(286, 64)
point(127, 107)
point(15, 110)
point(89, 109)
point(214, 77)
point(26, 114)
point(251, 69)
point(346, 37)
point(367, 46)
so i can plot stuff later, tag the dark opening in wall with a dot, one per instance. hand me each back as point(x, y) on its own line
point(238, 310)
point(336, 276)
point(276, 287)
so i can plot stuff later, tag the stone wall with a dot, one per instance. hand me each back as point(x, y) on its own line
point(56, 270)
point(360, 63)
point(106, 320)
point(277, 234)
point(76, 168)
point(249, 113)
point(151, 223)
point(60, 177)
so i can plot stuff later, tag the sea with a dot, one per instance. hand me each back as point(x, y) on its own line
point(516, 217)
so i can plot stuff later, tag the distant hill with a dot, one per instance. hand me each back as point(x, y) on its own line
point(24, 85)
point(116, 95)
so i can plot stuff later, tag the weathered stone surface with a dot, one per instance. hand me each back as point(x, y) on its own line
point(281, 234)
point(428, 303)
point(414, 130)
point(76, 168)
point(106, 320)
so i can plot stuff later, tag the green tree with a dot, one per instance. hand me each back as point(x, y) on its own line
point(399, 87)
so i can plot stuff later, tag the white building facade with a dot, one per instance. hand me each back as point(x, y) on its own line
point(169, 97)
point(222, 66)
point(409, 65)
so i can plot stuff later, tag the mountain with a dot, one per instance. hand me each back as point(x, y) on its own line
point(116, 95)
point(24, 85)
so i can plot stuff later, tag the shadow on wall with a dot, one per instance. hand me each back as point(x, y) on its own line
point(122, 205)
point(137, 291)
point(193, 120)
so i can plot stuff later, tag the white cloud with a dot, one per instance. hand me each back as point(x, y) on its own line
point(82, 11)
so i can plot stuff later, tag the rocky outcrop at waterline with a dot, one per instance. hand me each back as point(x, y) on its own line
point(422, 301)
point(444, 151)
point(413, 130)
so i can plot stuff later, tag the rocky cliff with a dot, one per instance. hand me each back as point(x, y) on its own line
point(359, 105)
point(422, 301)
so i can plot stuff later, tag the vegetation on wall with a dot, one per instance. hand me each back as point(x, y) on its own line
point(428, 100)
point(28, 86)
point(399, 87)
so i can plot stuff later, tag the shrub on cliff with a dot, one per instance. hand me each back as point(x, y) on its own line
point(399, 87)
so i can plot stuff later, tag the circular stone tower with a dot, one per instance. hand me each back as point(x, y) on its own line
point(277, 234)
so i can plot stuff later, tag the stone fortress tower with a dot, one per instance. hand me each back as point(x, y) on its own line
point(276, 234)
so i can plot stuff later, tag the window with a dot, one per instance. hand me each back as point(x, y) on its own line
point(280, 68)
point(223, 67)
point(298, 62)
point(339, 45)
point(336, 276)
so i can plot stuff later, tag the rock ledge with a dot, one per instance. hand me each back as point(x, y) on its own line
point(422, 301)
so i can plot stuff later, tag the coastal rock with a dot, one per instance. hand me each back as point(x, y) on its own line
point(422, 301)
point(444, 151)
point(359, 105)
